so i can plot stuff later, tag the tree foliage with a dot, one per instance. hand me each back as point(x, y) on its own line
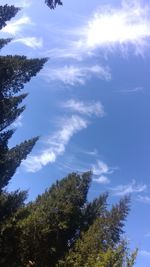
point(7, 13)
point(15, 71)
point(61, 228)
point(53, 3)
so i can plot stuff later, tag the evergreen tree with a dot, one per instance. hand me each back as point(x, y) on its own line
point(3, 42)
point(11, 212)
point(55, 220)
point(15, 71)
point(7, 13)
point(101, 245)
point(62, 229)
point(53, 3)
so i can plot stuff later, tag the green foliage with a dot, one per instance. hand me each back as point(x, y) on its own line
point(11, 159)
point(101, 241)
point(53, 3)
point(6, 13)
point(117, 257)
point(3, 42)
point(15, 71)
point(10, 110)
point(55, 220)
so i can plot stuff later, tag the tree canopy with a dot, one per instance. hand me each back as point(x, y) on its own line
point(53, 3)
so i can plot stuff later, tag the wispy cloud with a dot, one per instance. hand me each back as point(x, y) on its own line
point(85, 108)
point(101, 168)
point(144, 199)
point(56, 144)
point(144, 253)
point(14, 27)
point(113, 27)
point(100, 172)
point(102, 180)
point(131, 188)
point(72, 75)
point(32, 42)
point(132, 90)
point(147, 235)
point(124, 29)
point(23, 3)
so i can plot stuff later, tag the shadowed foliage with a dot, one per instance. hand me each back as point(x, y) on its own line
point(53, 3)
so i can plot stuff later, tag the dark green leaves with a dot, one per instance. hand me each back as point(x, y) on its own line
point(6, 13)
point(53, 3)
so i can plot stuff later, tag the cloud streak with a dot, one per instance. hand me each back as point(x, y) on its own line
point(76, 75)
point(56, 144)
point(144, 199)
point(100, 172)
point(131, 188)
point(14, 27)
point(23, 3)
point(145, 253)
point(85, 108)
point(32, 42)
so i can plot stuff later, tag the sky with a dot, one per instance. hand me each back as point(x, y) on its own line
point(90, 103)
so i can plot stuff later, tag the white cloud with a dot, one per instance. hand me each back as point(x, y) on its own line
point(100, 171)
point(23, 3)
point(101, 168)
point(144, 253)
point(102, 180)
point(110, 29)
point(64, 53)
point(147, 235)
point(32, 42)
point(131, 188)
point(16, 26)
point(85, 108)
point(133, 90)
point(144, 199)
point(113, 27)
point(72, 75)
point(56, 144)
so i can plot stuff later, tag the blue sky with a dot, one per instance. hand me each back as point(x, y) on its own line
point(90, 103)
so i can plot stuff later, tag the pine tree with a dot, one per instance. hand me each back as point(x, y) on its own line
point(63, 229)
point(7, 13)
point(15, 71)
point(53, 3)
point(4, 42)
point(101, 245)
point(11, 211)
point(55, 220)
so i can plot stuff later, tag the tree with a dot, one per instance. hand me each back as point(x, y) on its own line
point(101, 245)
point(53, 3)
point(63, 229)
point(15, 71)
point(6, 13)
point(55, 220)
